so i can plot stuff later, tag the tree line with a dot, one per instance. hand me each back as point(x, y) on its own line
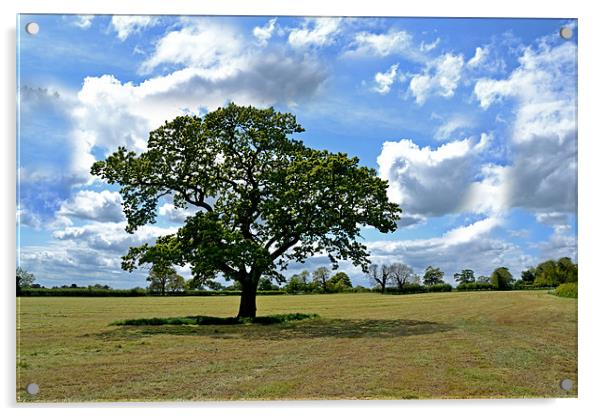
point(384, 278)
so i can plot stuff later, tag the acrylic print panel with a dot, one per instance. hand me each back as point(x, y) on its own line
point(283, 208)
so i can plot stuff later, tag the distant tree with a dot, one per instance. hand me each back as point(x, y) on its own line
point(484, 279)
point(24, 279)
point(339, 282)
point(266, 284)
point(566, 270)
point(501, 278)
point(528, 276)
point(380, 276)
point(164, 278)
point(320, 278)
point(554, 273)
point(214, 285)
point(298, 283)
point(546, 274)
point(193, 284)
point(175, 284)
point(433, 276)
point(465, 276)
point(401, 274)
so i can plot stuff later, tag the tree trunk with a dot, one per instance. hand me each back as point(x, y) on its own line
point(248, 306)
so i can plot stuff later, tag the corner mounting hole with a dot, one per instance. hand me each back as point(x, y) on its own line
point(566, 33)
point(32, 28)
point(566, 384)
point(32, 388)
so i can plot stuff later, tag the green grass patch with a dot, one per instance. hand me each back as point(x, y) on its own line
point(566, 290)
point(213, 320)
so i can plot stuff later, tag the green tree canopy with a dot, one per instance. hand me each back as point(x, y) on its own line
point(465, 276)
point(339, 282)
point(163, 278)
point(24, 279)
point(501, 278)
point(433, 276)
point(261, 199)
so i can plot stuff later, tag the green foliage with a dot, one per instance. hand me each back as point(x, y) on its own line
point(465, 276)
point(466, 287)
point(339, 282)
point(553, 273)
point(432, 276)
point(263, 199)
point(566, 290)
point(88, 292)
point(320, 278)
point(439, 287)
point(163, 279)
point(484, 279)
point(266, 284)
point(528, 276)
point(24, 279)
point(212, 320)
point(501, 279)
point(84, 292)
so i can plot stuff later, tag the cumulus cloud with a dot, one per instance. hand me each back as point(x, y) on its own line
point(317, 32)
point(543, 135)
point(367, 44)
point(264, 33)
point(176, 215)
point(211, 64)
point(427, 47)
point(83, 21)
point(384, 80)
point(103, 206)
point(439, 77)
point(454, 124)
point(479, 57)
point(126, 25)
point(425, 181)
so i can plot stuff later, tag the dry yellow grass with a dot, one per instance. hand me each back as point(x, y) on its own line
point(364, 346)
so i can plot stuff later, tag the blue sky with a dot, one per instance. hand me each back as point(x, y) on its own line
point(472, 122)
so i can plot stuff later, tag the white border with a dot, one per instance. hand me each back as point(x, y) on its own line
point(590, 209)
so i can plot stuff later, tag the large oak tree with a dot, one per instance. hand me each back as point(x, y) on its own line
point(261, 199)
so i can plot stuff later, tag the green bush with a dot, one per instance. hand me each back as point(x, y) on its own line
point(93, 292)
point(439, 287)
point(466, 287)
point(566, 290)
point(83, 292)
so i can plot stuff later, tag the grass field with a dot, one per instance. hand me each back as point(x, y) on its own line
point(364, 346)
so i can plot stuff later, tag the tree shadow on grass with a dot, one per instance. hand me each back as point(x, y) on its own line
point(314, 328)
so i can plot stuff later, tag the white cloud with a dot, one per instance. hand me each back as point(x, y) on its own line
point(318, 32)
point(174, 214)
point(366, 44)
point(215, 65)
point(111, 236)
point(427, 47)
point(479, 57)
point(103, 206)
point(203, 44)
point(27, 218)
point(543, 135)
point(83, 21)
point(264, 33)
point(439, 77)
point(425, 181)
point(453, 124)
point(126, 25)
point(384, 80)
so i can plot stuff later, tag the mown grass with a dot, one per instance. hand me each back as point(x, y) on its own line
point(364, 346)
